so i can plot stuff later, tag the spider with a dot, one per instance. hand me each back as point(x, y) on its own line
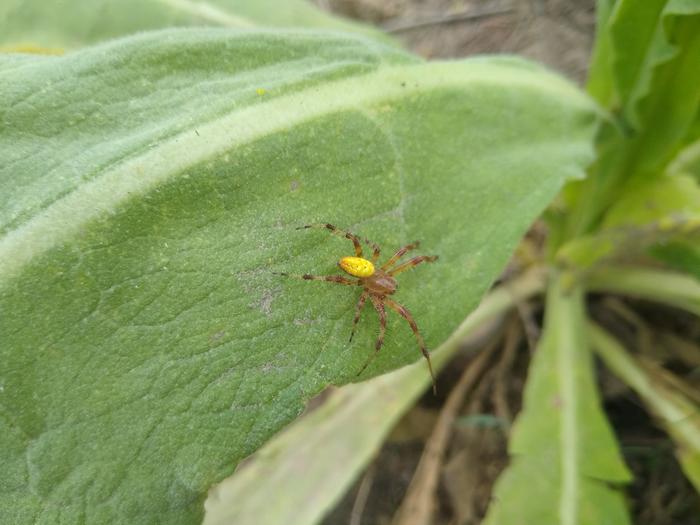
point(377, 284)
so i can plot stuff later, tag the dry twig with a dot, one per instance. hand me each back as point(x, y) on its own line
point(398, 26)
point(417, 506)
point(513, 337)
point(362, 494)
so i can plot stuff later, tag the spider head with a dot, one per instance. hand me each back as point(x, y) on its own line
point(356, 266)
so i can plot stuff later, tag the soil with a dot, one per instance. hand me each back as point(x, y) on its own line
point(558, 33)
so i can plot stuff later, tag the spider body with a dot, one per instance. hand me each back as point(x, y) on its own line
point(377, 283)
point(380, 283)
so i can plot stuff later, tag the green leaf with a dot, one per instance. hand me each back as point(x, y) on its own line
point(634, 36)
point(687, 161)
point(667, 201)
point(665, 110)
point(663, 211)
point(348, 429)
point(564, 454)
point(330, 446)
point(668, 212)
point(149, 188)
point(676, 413)
point(651, 52)
point(39, 26)
point(684, 256)
point(600, 79)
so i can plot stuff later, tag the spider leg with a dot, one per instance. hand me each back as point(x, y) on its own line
point(400, 253)
point(376, 250)
point(354, 238)
point(340, 233)
point(403, 312)
point(338, 279)
point(358, 311)
point(413, 262)
point(379, 307)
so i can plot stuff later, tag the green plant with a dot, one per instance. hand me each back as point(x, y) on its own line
point(151, 185)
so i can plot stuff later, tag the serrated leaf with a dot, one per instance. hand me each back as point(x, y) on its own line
point(39, 26)
point(150, 187)
point(564, 454)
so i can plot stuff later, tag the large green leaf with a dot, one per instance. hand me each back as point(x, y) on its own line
point(348, 429)
point(564, 452)
point(37, 25)
point(151, 185)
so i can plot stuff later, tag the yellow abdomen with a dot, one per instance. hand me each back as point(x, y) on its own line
point(356, 266)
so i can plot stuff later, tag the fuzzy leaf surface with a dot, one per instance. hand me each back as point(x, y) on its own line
point(39, 26)
point(349, 429)
point(150, 186)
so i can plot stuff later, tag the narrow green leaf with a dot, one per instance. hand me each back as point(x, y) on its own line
point(37, 25)
point(666, 109)
point(654, 52)
point(634, 29)
point(600, 80)
point(564, 453)
point(678, 415)
point(348, 430)
point(150, 186)
point(687, 161)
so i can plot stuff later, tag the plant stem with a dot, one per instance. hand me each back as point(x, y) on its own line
point(678, 414)
point(628, 370)
point(671, 288)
